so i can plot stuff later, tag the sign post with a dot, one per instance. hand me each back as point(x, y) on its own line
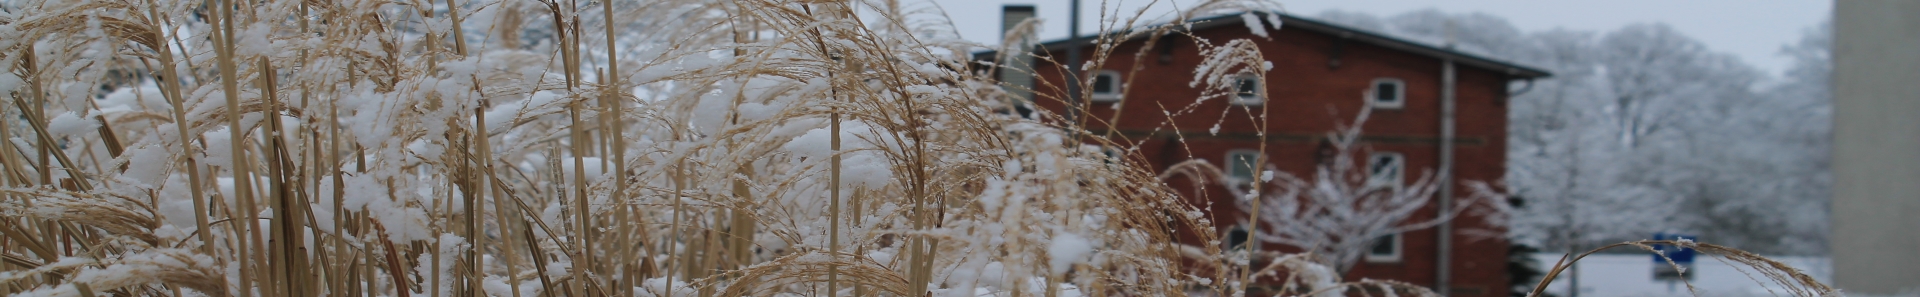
point(1681, 256)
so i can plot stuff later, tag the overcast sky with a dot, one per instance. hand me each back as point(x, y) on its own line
point(1752, 29)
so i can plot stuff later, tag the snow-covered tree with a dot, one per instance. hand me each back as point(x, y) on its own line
point(1769, 173)
point(1643, 129)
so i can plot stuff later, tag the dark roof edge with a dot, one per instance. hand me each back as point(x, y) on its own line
point(1338, 31)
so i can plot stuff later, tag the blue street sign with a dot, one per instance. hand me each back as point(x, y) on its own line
point(1681, 257)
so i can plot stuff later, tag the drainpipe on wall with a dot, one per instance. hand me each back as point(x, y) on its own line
point(1443, 277)
point(1016, 65)
point(1073, 64)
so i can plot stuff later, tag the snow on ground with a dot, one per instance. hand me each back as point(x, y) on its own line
point(1607, 275)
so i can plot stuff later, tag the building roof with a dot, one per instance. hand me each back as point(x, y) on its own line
point(1299, 23)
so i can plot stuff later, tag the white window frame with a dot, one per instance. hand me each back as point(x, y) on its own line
point(1259, 90)
point(1399, 250)
point(1109, 95)
point(1229, 165)
point(1399, 170)
point(1400, 93)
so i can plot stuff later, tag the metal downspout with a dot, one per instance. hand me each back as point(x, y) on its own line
point(1443, 263)
point(1077, 105)
point(1016, 64)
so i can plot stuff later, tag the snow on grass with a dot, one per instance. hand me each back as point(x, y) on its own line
point(69, 123)
point(1066, 250)
point(1253, 24)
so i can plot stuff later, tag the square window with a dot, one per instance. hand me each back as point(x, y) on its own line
point(1241, 165)
point(1385, 249)
point(1386, 169)
point(1237, 237)
point(1387, 93)
point(1106, 85)
point(1247, 89)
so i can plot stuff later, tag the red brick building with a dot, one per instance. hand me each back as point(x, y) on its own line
point(1323, 74)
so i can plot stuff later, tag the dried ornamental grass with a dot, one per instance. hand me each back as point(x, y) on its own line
point(521, 148)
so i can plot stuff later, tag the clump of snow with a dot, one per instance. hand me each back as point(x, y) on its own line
point(592, 166)
point(219, 148)
point(861, 163)
point(255, 40)
point(425, 150)
point(814, 144)
point(496, 285)
point(1037, 285)
point(8, 38)
point(1253, 24)
point(1067, 249)
point(559, 268)
point(9, 82)
point(659, 286)
point(147, 164)
point(144, 97)
point(866, 170)
point(504, 115)
point(1314, 275)
point(69, 123)
point(176, 207)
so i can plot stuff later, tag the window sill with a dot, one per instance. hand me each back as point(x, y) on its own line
point(1381, 106)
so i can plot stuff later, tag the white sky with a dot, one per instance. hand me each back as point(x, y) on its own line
point(1754, 30)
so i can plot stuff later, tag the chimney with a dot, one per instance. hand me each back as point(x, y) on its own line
point(1016, 65)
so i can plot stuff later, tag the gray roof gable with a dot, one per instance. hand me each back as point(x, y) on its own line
point(1349, 33)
